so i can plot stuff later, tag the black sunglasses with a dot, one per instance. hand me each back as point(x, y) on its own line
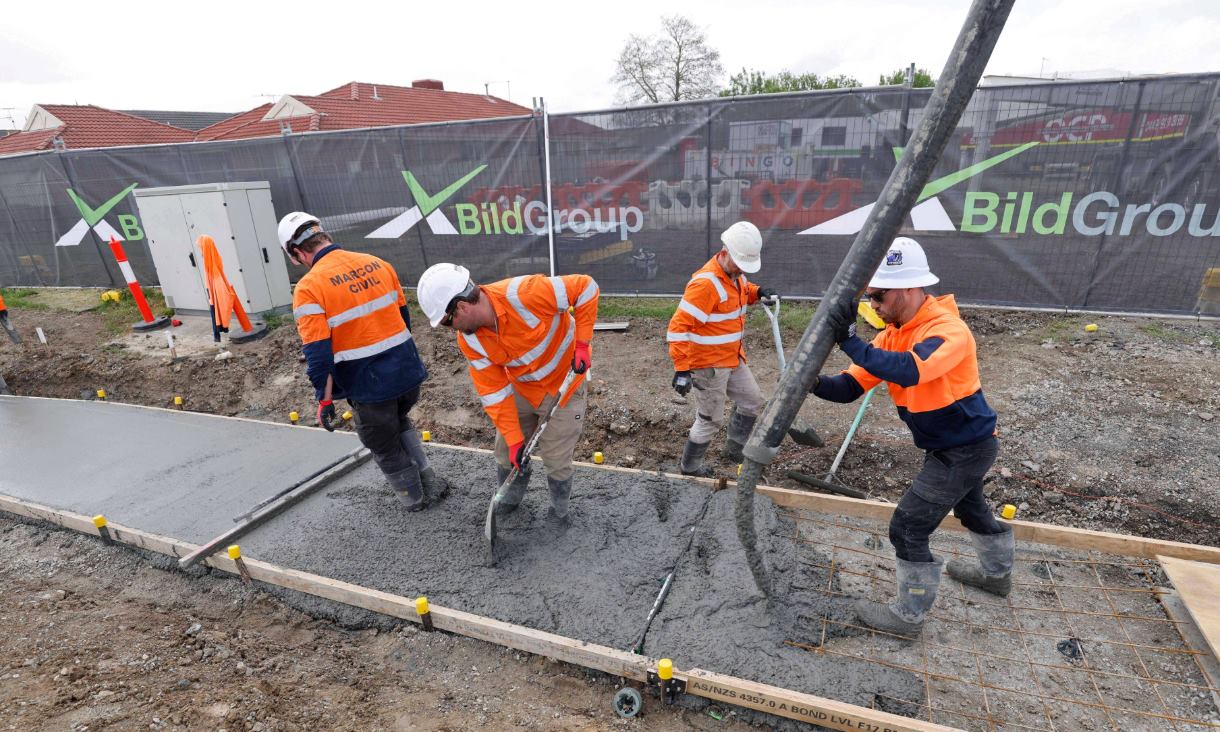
point(877, 295)
point(466, 295)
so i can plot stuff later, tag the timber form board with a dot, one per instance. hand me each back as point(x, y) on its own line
point(1199, 587)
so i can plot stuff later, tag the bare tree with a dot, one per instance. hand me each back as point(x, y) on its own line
point(673, 65)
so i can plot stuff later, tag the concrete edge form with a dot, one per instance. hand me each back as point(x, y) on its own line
point(721, 688)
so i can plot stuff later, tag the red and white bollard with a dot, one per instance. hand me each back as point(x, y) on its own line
point(150, 323)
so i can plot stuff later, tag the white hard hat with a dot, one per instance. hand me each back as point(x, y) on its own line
point(905, 266)
point(438, 285)
point(293, 223)
point(743, 242)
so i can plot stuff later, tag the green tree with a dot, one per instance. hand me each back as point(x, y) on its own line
point(756, 82)
point(899, 77)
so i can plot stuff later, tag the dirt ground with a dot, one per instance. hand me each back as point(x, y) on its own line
point(1113, 430)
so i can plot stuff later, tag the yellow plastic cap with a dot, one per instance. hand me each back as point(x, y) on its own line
point(599, 458)
point(347, 415)
point(99, 521)
point(293, 416)
point(1008, 511)
point(1091, 328)
point(234, 552)
point(426, 436)
point(665, 669)
point(101, 393)
point(178, 400)
point(421, 605)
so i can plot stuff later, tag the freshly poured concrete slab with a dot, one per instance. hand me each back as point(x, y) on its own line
point(180, 474)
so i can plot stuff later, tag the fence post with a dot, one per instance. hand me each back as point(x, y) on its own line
point(550, 213)
point(709, 181)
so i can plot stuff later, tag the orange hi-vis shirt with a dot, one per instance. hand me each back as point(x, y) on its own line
point(530, 350)
point(706, 330)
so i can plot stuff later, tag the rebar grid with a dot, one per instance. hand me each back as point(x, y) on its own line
point(1114, 714)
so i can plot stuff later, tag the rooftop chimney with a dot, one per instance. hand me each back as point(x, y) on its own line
point(436, 84)
point(355, 89)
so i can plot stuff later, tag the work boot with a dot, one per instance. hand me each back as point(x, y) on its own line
point(993, 573)
point(435, 487)
point(407, 485)
point(514, 494)
point(561, 492)
point(740, 427)
point(917, 583)
point(692, 460)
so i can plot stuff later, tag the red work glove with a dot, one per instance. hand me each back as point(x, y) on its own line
point(517, 456)
point(581, 358)
point(326, 414)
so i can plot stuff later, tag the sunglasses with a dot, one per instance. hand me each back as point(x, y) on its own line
point(447, 321)
point(877, 295)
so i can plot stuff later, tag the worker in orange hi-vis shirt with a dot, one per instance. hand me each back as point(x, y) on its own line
point(356, 335)
point(520, 336)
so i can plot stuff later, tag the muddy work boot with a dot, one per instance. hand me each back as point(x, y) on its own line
point(917, 584)
point(692, 460)
point(407, 485)
point(561, 493)
point(740, 427)
point(514, 494)
point(993, 573)
point(435, 487)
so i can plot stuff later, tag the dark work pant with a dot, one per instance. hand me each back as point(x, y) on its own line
point(379, 424)
point(951, 480)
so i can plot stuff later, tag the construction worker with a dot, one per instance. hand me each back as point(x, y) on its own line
point(519, 338)
point(926, 356)
point(356, 335)
point(705, 345)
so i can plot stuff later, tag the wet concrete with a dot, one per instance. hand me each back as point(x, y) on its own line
point(595, 580)
point(179, 474)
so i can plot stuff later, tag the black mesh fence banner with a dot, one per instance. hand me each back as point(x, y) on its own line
point(1099, 196)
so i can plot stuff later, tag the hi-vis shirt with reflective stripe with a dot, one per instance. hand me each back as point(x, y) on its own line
point(706, 330)
point(530, 351)
point(347, 309)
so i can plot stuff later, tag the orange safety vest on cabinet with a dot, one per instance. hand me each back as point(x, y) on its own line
point(706, 329)
point(530, 350)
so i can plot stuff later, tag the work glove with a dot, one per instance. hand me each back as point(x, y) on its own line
point(766, 293)
point(517, 456)
point(581, 358)
point(326, 414)
point(843, 321)
point(682, 382)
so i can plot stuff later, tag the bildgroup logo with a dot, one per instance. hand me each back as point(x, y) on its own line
point(426, 208)
point(95, 218)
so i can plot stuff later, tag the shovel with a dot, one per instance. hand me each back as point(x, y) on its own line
point(489, 525)
point(800, 433)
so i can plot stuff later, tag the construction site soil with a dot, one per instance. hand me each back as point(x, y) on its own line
point(1111, 430)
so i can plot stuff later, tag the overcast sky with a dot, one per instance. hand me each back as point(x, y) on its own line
point(229, 57)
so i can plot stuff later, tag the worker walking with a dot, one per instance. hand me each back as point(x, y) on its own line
point(705, 344)
point(356, 333)
point(926, 356)
point(519, 338)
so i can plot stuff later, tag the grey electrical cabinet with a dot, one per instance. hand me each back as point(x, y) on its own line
point(240, 219)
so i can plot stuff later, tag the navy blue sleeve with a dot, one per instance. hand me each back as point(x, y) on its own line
point(406, 315)
point(319, 363)
point(842, 388)
point(896, 367)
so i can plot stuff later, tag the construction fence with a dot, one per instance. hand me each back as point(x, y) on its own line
point(1100, 196)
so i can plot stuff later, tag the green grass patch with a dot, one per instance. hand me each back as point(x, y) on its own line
point(23, 298)
point(118, 317)
point(275, 320)
point(1163, 332)
point(646, 308)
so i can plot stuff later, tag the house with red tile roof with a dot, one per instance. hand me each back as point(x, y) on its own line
point(351, 106)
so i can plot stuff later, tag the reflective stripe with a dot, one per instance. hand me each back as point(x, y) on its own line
point(480, 364)
point(719, 317)
point(515, 300)
point(545, 370)
point(308, 308)
point(386, 300)
point(590, 292)
point(472, 340)
point(538, 350)
point(493, 399)
point(561, 293)
point(703, 340)
point(715, 281)
point(699, 315)
point(353, 354)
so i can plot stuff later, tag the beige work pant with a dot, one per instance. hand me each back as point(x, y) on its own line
point(712, 388)
point(558, 443)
